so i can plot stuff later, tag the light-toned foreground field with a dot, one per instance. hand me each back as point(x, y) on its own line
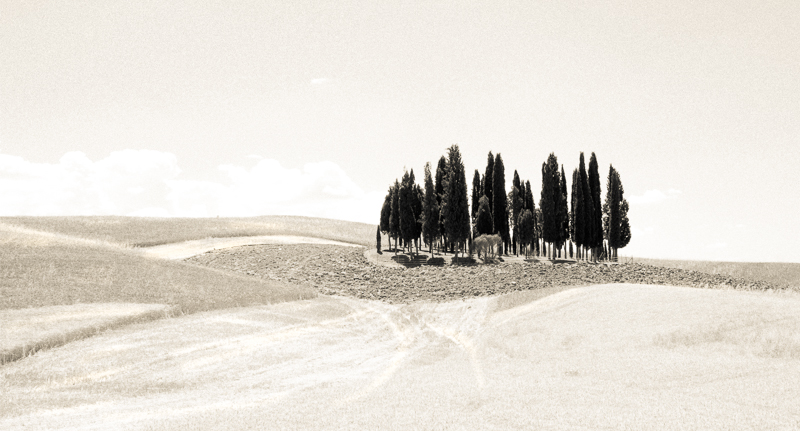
point(600, 357)
point(243, 353)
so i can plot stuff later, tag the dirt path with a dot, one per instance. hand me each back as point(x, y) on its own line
point(183, 250)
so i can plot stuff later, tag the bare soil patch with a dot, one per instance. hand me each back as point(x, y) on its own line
point(335, 270)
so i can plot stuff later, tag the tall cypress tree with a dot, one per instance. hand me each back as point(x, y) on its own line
point(595, 218)
point(611, 212)
point(549, 201)
point(488, 187)
point(563, 211)
point(499, 215)
point(430, 211)
point(577, 215)
point(477, 192)
point(589, 238)
point(455, 207)
point(440, 185)
point(517, 202)
point(534, 212)
point(394, 217)
point(419, 196)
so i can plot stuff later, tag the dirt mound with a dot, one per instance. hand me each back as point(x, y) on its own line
point(336, 270)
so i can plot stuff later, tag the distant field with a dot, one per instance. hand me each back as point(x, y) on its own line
point(38, 270)
point(787, 274)
point(144, 232)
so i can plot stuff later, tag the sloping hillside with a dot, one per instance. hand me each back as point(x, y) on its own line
point(143, 232)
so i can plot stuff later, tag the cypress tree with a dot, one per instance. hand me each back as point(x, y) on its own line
point(419, 196)
point(378, 239)
point(549, 201)
point(477, 192)
point(526, 229)
point(430, 211)
point(455, 207)
point(529, 198)
point(407, 221)
point(440, 185)
point(611, 212)
point(386, 212)
point(577, 215)
point(534, 214)
point(625, 225)
point(394, 217)
point(517, 202)
point(499, 215)
point(563, 212)
point(587, 206)
point(595, 215)
point(488, 187)
point(483, 221)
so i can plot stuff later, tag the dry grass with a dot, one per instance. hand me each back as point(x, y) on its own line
point(600, 357)
point(26, 331)
point(144, 232)
point(783, 274)
point(41, 270)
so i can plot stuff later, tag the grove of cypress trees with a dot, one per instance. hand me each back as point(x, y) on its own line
point(488, 187)
point(499, 215)
point(455, 207)
point(595, 215)
point(477, 192)
point(549, 201)
point(394, 217)
point(430, 211)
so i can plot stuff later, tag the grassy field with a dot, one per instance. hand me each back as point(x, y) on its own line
point(28, 330)
point(787, 274)
point(144, 232)
point(600, 357)
point(40, 270)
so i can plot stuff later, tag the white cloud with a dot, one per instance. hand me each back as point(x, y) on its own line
point(147, 183)
point(653, 197)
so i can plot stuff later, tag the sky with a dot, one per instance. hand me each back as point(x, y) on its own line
point(244, 108)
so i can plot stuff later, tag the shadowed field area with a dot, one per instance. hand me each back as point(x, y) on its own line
point(608, 356)
point(145, 232)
